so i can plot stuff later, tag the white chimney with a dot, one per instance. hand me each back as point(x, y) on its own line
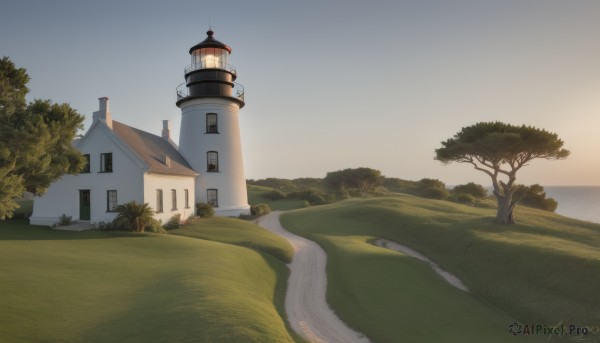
point(166, 131)
point(104, 112)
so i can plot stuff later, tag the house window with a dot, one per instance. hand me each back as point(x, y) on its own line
point(186, 194)
point(212, 161)
point(159, 201)
point(212, 125)
point(111, 200)
point(173, 200)
point(86, 168)
point(212, 197)
point(106, 164)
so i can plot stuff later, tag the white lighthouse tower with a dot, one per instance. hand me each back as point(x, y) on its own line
point(210, 133)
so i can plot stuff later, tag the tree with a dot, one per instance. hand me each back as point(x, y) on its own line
point(470, 188)
point(432, 188)
point(35, 139)
point(364, 179)
point(134, 216)
point(501, 150)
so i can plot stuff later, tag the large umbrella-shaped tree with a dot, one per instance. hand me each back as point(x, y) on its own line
point(500, 150)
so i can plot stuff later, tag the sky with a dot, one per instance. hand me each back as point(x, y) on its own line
point(333, 84)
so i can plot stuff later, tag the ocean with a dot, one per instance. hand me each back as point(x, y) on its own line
point(580, 202)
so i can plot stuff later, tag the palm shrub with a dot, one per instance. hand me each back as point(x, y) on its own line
point(134, 216)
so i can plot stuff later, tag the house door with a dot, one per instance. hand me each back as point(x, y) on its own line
point(84, 204)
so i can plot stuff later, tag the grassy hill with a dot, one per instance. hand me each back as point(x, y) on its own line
point(545, 270)
point(238, 232)
point(98, 286)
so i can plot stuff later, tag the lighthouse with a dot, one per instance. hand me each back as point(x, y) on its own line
point(209, 139)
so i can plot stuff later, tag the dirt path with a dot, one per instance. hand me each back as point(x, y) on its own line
point(305, 305)
point(453, 280)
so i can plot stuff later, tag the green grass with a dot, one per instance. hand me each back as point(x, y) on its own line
point(255, 197)
point(238, 232)
point(95, 286)
point(544, 270)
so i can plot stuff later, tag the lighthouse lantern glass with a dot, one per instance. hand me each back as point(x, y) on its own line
point(210, 58)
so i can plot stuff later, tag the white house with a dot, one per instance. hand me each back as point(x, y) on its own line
point(125, 163)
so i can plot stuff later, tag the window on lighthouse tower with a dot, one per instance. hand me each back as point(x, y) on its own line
point(212, 197)
point(212, 126)
point(212, 161)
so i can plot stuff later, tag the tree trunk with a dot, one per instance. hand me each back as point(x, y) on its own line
point(504, 215)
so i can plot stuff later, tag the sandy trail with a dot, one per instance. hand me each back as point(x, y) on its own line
point(305, 305)
point(451, 278)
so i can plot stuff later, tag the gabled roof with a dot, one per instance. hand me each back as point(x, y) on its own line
point(152, 149)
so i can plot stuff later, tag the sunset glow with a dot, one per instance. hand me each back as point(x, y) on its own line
point(338, 84)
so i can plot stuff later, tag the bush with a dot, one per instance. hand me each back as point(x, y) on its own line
point(433, 189)
point(260, 210)
point(315, 199)
point(471, 188)
point(534, 196)
point(154, 226)
point(204, 210)
point(434, 193)
point(311, 196)
point(274, 195)
point(64, 220)
point(174, 222)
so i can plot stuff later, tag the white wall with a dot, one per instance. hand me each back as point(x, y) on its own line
point(63, 195)
point(194, 143)
point(152, 182)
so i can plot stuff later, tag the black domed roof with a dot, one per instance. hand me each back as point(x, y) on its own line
point(210, 42)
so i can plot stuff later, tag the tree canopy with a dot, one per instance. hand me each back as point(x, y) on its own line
point(35, 139)
point(364, 179)
point(534, 196)
point(500, 150)
point(471, 188)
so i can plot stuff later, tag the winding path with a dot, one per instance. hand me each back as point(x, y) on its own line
point(450, 278)
point(305, 305)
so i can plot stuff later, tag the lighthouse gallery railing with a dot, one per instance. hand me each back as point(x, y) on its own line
point(237, 91)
